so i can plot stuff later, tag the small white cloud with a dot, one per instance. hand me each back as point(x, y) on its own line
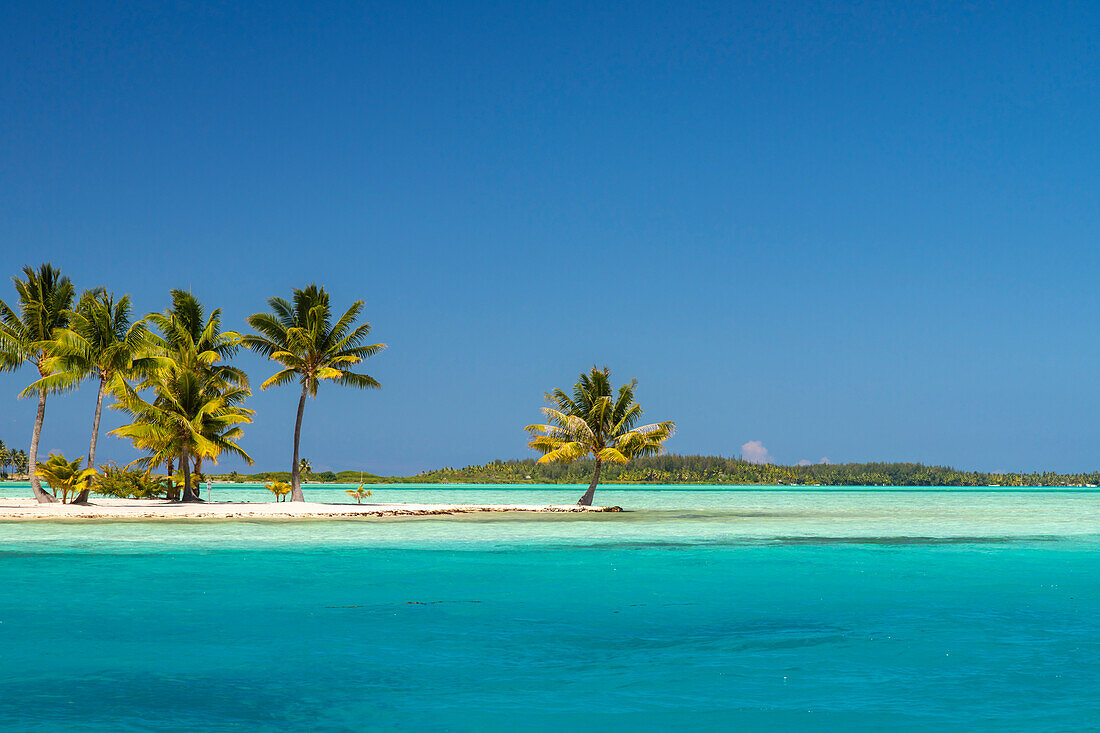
point(825, 460)
point(755, 452)
point(804, 462)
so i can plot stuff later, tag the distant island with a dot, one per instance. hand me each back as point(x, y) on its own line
point(684, 469)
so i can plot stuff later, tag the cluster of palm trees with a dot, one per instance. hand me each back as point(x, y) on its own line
point(171, 372)
point(17, 459)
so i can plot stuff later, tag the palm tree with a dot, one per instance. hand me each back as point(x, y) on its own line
point(195, 341)
point(304, 466)
point(197, 406)
point(100, 342)
point(279, 488)
point(158, 439)
point(65, 475)
point(45, 298)
point(359, 493)
point(222, 437)
point(595, 423)
point(192, 415)
point(19, 461)
point(300, 335)
point(5, 459)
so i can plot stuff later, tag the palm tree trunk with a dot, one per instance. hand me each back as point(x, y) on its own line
point(295, 478)
point(172, 493)
point(32, 457)
point(82, 498)
point(198, 473)
point(95, 422)
point(188, 489)
point(586, 500)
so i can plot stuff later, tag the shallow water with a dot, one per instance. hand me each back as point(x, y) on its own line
point(695, 610)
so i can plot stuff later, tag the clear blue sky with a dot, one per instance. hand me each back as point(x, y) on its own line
point(860, 232)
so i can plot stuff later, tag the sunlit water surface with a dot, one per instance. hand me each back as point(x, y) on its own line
point(696, 609)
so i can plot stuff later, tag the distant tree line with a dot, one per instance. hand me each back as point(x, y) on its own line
point(709, 470)
point(682, 469)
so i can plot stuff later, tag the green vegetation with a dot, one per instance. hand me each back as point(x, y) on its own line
point(595, 423)
point(325, 477)
point(127, 483)
point(672, 469)
point(680, 469)
point(299, 334)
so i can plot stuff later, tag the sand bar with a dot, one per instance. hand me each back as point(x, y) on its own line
point(26, 508)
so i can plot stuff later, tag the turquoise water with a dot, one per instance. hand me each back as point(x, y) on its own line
point(697, 610)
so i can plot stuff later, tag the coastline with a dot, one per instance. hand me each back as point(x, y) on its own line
point(25, 509)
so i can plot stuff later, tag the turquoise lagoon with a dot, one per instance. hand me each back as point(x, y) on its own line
point(698, 609)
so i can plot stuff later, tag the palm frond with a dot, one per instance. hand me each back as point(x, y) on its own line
point(56, 383)
point(280, 378)
point(359, 381)
point(613, 455)
point(565, 453)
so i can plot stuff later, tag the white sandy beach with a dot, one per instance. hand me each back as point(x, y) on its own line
point(26, 508)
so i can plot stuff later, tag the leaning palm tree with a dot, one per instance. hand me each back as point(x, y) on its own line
point(101, 343)
point(300, 335)
point(594, 422)
point(45, 298)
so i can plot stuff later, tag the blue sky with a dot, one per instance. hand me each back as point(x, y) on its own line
point(860, 232)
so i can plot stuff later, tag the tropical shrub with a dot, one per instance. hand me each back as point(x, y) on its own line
point(279, 488)
point(64, 475)
point(127, 483)
point(359, 494)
